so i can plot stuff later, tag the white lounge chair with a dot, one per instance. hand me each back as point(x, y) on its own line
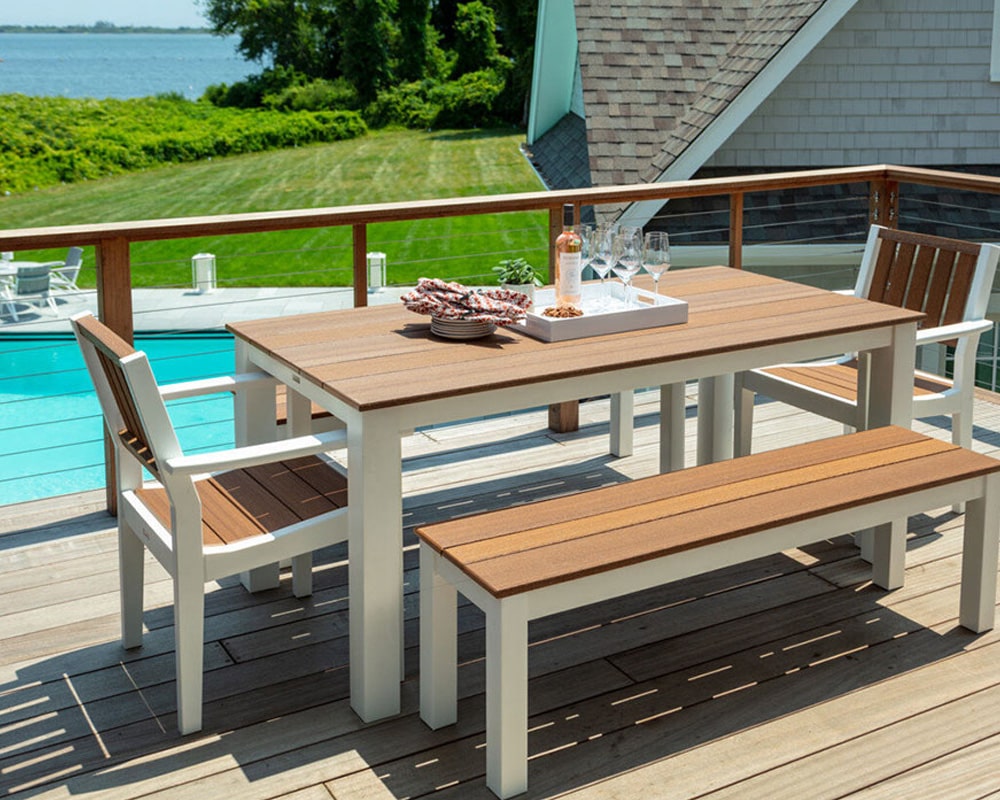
point(208, 515)
point(30, 285)
point(65, 273)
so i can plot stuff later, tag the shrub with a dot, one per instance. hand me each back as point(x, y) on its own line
point(51, 140)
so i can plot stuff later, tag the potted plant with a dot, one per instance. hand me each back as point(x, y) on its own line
point(517, 275)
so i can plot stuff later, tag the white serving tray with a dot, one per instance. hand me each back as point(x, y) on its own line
point(647, 311)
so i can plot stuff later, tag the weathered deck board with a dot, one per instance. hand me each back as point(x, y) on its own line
point(752, 681)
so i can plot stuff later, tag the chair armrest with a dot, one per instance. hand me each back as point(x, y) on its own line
point(254, 454)
point(219, 385)
point(944, 332)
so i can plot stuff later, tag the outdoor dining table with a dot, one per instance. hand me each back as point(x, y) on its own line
point(381, 371)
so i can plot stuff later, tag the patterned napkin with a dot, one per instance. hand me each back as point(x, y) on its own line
point(445, 300)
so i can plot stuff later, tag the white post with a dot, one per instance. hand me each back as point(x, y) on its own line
point(376, 271)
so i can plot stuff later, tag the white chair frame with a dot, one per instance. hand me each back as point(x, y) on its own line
point(954, 396)
point(179, 547)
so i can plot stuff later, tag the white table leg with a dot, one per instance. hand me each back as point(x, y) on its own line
point(715, 419)
point(622, 424)
point(375, 564)
point(438, 644)
point(672, 424)
point(979, 559)
point(507, 697)
point(890, 402)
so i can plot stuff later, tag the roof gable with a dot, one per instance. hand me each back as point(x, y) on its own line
point(658, 77)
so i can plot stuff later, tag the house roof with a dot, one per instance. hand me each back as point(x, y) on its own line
point(657, 74)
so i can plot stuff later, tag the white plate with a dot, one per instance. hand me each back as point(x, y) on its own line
point(460, 329)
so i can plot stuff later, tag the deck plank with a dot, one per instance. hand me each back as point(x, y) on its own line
point(750, 680)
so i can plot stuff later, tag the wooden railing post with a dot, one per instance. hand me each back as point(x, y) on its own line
point(360, 239)
point(883, 203)
point(114, 309)
point(736, 230)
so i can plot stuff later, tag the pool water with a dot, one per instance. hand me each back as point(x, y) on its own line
point(51, 435)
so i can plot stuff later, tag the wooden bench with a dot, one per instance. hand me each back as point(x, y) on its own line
point(526, 562)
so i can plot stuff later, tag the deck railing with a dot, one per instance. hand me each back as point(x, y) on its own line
point(112, 241)
point(885, 185)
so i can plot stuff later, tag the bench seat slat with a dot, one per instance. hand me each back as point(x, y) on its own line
point(453, 533)
point(525, 548)
point(673, 506)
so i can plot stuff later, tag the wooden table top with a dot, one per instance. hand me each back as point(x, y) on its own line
point(384, 356)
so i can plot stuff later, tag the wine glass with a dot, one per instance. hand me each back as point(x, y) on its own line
point(656, 256)
point(626, 257)
point(598, 247)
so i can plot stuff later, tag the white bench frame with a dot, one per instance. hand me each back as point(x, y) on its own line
point(507, 618)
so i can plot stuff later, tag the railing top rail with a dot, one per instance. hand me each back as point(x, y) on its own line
point(266, 221)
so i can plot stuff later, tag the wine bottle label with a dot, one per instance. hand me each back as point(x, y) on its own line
point(569, 275)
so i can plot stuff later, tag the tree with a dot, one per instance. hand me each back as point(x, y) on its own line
point(516, 21)
point(366, 31)
point(443, 13)
point(414, 19)
point(291, 33)
point(475, 38)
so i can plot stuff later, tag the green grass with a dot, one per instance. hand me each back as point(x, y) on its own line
point(383, 166)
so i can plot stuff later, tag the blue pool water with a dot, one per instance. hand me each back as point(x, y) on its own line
point(51, 439)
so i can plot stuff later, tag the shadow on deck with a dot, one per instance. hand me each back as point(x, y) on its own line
point(787, 676)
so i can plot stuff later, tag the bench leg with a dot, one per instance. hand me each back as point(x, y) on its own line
point(979, 559)
point(507, 697)
point(622, 424)
point(438, 644)
point(672, 423)
point(888, 556)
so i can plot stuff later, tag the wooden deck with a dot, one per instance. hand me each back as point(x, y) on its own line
point(788, 677)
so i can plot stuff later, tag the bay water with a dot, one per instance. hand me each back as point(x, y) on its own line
point(118, 65)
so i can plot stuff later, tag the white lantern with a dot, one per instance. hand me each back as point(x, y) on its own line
point(203, 272)
point(376, 271)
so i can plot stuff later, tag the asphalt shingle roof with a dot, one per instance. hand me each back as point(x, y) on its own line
point(656, 74)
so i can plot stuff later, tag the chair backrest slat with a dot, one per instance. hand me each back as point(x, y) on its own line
point(961, 284)
point(110, 349)
point(932, 274)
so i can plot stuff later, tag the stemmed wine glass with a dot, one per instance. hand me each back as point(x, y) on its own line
point(626, 258)
point(598, 247)
point(656, 256)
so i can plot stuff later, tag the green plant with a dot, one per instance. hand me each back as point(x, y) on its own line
point(516, 272)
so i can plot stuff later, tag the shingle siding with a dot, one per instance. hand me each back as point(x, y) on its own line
point(906, 87)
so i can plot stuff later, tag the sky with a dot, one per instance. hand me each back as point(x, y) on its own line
point(159, 13)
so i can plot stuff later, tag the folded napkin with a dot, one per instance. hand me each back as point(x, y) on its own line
point(446, 300)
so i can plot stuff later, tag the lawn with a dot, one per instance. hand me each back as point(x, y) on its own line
point(383, 166)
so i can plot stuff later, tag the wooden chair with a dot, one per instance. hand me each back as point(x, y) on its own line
point(205, 516)
point(949, 280)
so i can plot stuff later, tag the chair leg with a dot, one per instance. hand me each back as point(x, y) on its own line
point(302, 585)
point(131, 566)
point(189, 635)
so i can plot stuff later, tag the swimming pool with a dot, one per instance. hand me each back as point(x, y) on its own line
point(51, 435)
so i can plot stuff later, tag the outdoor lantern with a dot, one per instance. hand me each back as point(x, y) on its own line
point(203, 272)
point(376, 271)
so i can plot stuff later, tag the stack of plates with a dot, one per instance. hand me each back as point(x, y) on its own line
point(460, 328)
